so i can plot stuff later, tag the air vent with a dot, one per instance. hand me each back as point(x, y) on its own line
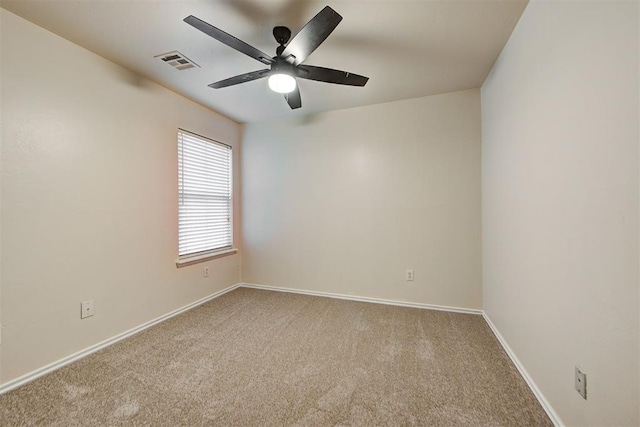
point(177, 60)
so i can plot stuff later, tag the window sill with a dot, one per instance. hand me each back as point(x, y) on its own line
point(185, 262)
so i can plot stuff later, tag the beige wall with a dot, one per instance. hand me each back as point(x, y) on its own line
point(345, 201)
point(89, 203)
point(560, 204)
point(1, 144)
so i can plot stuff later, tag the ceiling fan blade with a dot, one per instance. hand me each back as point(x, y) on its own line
point(242, 78)
point(311, 36)
point(293, 98)
point(228, 39)
point(329, 75)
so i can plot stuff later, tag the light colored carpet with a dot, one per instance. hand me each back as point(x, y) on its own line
point(254, 357)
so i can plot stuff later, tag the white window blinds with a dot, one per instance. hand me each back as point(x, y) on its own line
point(204, 195)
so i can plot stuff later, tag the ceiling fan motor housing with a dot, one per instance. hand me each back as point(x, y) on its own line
point(280, 66)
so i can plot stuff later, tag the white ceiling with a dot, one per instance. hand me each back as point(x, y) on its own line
point(408, 48)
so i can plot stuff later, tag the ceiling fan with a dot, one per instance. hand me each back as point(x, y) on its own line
point(287, 64)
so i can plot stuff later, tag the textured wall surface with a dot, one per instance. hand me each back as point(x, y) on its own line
point(560, 204)
point(89, 198)
point(345, 202)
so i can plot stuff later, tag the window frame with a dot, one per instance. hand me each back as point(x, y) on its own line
point(209, 253)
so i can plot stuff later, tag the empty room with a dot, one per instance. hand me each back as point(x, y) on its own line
point(292, 212)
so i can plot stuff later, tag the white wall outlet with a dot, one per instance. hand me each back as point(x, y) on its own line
point(206, 272)
point(581, 382)
point(409, 275)
point(86, 309)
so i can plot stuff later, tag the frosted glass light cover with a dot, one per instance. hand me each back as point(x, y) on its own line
point(282, 83)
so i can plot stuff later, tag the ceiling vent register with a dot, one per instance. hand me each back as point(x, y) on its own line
point(177, 60)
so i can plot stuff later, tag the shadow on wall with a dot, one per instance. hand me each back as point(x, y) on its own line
point(132, 78)
point(306, 119)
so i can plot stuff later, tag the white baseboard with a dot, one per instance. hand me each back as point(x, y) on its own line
point(89, 350)
point(555, 419)
point(363, 299)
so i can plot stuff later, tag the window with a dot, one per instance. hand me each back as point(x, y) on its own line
point(204, 196)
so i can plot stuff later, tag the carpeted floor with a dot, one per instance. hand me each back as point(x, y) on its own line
point(254, 357)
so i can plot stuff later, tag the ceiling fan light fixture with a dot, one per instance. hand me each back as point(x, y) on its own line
point(282, 83)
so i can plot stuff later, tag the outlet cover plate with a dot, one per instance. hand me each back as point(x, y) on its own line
point(87, 309)
point(581, 382)
point(409, 275)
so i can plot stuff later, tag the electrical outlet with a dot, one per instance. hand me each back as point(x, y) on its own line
point(581, 383)
point(86, 309)
point(409, 275)
point(206, 272)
